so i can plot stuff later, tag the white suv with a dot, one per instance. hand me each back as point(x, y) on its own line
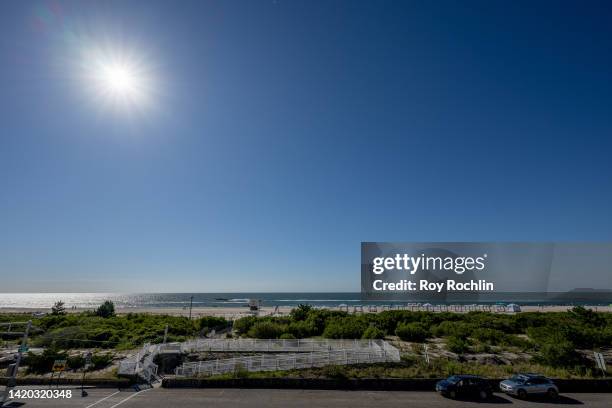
point(522, 385)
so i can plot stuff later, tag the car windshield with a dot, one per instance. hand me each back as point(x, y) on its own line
point(517, 378)
point(453, 379)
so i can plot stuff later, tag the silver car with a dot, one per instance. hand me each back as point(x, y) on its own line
point(522, 385)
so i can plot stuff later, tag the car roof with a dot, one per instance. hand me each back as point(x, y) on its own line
point(532, 375)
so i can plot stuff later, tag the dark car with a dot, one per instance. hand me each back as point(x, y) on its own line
point(465, 386)
point(522, 385)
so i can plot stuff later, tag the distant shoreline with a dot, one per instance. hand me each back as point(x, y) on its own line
point(236, 312)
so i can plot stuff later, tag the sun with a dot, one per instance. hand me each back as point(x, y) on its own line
point(118, 80)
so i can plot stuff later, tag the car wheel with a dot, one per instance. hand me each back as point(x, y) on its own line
point(483, 395)
point(522, 394)
point(452, 394)
point(553, 394)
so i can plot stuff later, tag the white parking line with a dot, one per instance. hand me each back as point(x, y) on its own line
point(131, 396)
point(99, 401)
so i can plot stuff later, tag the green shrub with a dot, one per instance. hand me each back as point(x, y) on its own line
point(558, 354)
point(345, 328)
point(482, 348)
point(266, 330)
point(516, 341)
point(453, 328)
point(300, 313)
point(43, 363)
point(412, 332)
point(457, 344)
point(587, 316)
point(489, 336)
point(76, 362)
point(373, 333)
point(58, 308)
point(100, 361)
point(212, 322)
point(302, 329)
point(318, 320)
point(68, 337)
point(504, 323)
point(244, 324)
point(287, 336)
point(106, 309)
point(606, 335)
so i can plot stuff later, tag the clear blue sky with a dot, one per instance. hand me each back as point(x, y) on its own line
point(284, 133)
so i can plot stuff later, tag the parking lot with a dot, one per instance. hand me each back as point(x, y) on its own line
point(236, 398)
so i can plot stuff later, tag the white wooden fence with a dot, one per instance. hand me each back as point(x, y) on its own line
point(300, 354)
point(141, 364)
point(268, 345)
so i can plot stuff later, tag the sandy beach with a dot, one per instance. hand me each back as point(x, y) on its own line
point(237, 312)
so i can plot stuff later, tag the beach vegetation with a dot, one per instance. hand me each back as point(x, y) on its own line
point(559, 341)
point(345, 327)
point(58, 308)
point(43, 363)
point(416, 332)
point(457, 344)
point(86, 330)
point(243, 325)
point(302, 328)
point(300, 312)
point(373, 332)
point(266, 330)
point(106, 309)
point(207, 323)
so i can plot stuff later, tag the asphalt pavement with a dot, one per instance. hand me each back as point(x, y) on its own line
point(237, 398)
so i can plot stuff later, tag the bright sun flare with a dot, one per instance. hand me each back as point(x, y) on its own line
point(118, 81)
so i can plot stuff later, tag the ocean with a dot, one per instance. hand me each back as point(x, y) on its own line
point(238, 300)
point(173, 300)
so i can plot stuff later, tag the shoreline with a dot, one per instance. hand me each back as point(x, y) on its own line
point(237, 312)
